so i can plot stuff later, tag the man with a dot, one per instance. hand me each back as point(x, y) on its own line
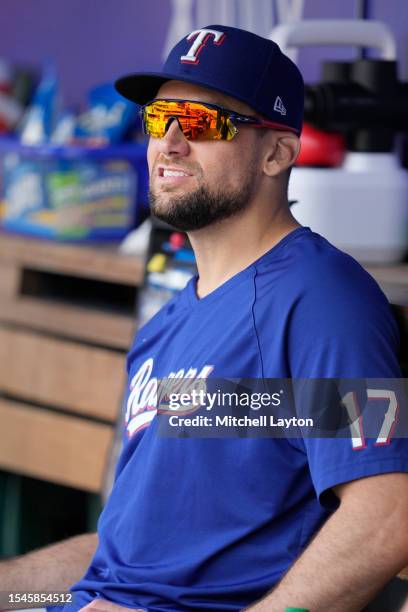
point(245, 522)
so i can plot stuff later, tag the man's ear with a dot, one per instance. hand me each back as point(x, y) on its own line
point(282, 149)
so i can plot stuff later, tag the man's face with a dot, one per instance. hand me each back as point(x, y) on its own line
point(194, 184)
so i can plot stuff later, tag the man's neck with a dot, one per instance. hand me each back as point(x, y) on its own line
point(226, 248)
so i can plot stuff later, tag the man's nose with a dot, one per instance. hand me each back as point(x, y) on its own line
point(174, 142)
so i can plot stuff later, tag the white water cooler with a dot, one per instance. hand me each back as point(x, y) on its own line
point(361, 205)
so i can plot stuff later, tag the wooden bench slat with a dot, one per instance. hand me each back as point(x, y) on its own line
point(9, 279)
point(53, 447)
point(61, 373)
point(96, 262)
point(113, 330)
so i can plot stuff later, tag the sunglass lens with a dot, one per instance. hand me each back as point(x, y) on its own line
point(197, 121)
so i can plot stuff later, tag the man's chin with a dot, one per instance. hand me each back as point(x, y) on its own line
point(199, 208)
point(167, 217)
point(162, 207)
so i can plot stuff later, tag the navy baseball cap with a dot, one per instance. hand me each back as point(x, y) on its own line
point(232, 61)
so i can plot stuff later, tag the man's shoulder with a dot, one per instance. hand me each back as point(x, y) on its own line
point(317, 289)
point(309, 265)
point(333, 318)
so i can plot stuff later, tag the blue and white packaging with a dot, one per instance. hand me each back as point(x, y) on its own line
point(108, 118)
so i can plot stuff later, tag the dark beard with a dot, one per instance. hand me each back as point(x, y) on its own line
point(201, 208)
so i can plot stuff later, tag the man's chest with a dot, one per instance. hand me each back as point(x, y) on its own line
point(190, 348)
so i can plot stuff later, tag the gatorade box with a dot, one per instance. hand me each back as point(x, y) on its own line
point(74, 193)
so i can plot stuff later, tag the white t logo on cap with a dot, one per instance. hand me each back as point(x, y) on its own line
point(201, 39)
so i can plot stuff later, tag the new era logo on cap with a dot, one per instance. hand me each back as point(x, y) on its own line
point(279, 106)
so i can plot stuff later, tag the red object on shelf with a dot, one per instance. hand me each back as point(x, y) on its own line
point(320, 148)
point(177, 240)
point(4, 128)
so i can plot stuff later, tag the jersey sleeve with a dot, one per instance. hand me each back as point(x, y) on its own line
point(342, 327)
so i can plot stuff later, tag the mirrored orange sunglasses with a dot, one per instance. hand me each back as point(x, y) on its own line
point(198, 120)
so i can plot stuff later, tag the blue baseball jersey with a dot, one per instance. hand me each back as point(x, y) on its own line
point(212, 524)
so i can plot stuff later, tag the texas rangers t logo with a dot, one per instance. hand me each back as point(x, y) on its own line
point(201, 38)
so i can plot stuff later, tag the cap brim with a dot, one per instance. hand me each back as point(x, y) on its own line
point(143, 87)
